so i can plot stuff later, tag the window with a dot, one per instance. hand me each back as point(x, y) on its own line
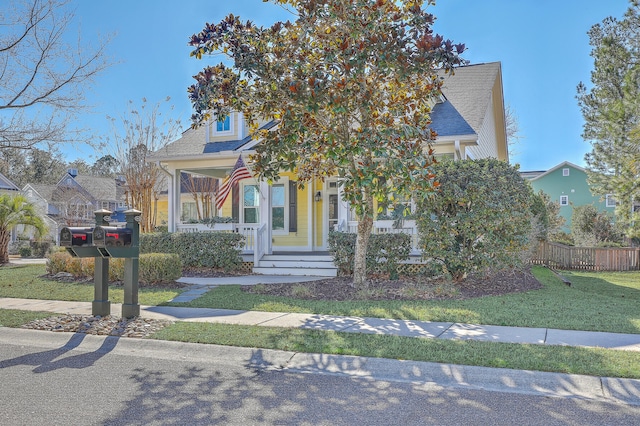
point(224, 125)
point(251, 204)
point(564, 200)
point(278, 201)
point(610, 201)
point(565, 172)
point(189, 212)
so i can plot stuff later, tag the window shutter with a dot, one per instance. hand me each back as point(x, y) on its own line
point(235, 202)
point(293, 206)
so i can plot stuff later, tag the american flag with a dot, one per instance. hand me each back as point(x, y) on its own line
point(240, 171)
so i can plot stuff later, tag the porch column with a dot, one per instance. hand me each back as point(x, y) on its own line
point(343, 211)
point(265, 215)
point(173, 199)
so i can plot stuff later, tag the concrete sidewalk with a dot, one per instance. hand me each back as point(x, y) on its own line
point(407, 328)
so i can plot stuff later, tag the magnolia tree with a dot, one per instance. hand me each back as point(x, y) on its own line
point(351, 83)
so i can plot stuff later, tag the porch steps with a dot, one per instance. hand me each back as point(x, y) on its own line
point(297, 264)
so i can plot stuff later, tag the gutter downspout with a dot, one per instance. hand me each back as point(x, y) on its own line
point(456, 146)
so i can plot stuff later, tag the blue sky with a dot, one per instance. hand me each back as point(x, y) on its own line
point(542, 45)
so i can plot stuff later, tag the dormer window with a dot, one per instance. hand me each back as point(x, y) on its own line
point(224, 125)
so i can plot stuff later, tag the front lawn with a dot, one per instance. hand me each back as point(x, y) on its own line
point(26, 282)
point(595, 302)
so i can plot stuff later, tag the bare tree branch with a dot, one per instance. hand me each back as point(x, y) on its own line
point(43, 76)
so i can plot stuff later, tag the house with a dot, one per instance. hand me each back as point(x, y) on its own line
point(567, 184)
point(469, 119)
point(7, 187)
point(197, 199)
point(75, 198)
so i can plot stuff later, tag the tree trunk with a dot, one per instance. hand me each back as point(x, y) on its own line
point(365, 224)
point(4, 245)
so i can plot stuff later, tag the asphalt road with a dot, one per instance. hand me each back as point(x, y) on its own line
point(73, 379)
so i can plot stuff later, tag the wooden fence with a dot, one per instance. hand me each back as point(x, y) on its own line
point(559, 256)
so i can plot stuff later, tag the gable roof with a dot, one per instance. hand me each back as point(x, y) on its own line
point(469, 90)
point(101, 188)
point(553, 169)
point(43, 190)
point(6, 184)
point(468, 97)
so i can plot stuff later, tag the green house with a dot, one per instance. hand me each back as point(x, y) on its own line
point(567, 184)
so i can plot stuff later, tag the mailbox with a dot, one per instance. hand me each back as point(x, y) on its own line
point(106, 236)
point(76, 236)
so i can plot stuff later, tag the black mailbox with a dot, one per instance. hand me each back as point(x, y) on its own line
point(76, 236)
point(104, 236)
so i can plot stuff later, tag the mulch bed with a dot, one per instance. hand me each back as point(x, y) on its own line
point(379, 287)
point(405, 288)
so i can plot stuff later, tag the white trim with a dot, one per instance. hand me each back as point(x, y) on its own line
point(262, 200)
point(214, 127)
point(291, 248)
point(553, 169)
point(284, 181)
point(311, 225)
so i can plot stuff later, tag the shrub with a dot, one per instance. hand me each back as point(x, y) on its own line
point(153, 267)
point(342, 246)
point(591, 228)
point(57, 262)
point(159, 267)
point(40, 248)
point(25, 252)
point(384, 252)
point(197, 249)
point(478, 219)
point(62, 261)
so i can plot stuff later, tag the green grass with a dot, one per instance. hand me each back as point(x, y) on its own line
point(562, 359)
point(15, 318)
point(595, 302)
point(25, 282)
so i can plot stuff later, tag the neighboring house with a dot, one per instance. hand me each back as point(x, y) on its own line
point(8, 187)
point(39, 195)
point(567, 184)
point(74, 199)
point(469, 120)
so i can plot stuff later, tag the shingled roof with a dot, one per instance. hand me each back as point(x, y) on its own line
point(101, 188)
point(6, 184)
point(468, 96)
point(469, 91)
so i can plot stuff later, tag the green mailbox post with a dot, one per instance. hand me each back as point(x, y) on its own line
point(102, 243)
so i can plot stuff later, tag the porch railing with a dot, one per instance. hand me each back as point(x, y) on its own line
point(248, 230)
point(387, 227)
point(260, 244)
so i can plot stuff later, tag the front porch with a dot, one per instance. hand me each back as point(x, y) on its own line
point(270, 259)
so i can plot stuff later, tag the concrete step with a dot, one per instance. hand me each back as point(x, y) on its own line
point(269, 263)
point(318, 272)
point(299, 257)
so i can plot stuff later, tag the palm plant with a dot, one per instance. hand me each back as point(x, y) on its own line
point(16, 210)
